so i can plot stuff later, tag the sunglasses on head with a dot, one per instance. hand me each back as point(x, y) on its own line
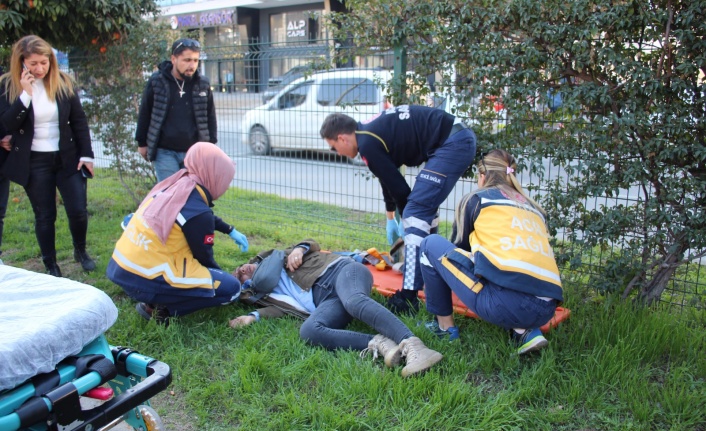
point(187, 43)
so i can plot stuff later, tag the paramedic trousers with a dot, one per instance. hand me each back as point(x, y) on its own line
point(342, 294)
point(500, 306)
point(179, 301)
point(432, 186)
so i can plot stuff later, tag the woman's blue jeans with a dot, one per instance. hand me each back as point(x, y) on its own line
point(342, 294)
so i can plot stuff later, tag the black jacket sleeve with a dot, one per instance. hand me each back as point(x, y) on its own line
point(222, 226)
point(79, 127)
point(395, 189)
point(145, 115)
point(212, 123)
point(197, 231)
point(12, 113)
point(387, 197)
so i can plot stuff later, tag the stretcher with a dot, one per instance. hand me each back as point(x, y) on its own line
point(54, 359)
point(387, 282)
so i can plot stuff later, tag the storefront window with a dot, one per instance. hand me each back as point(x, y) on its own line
point(384, 61)
point(295, 26)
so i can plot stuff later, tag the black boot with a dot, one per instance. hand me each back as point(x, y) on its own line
point(403, 301)
point(84, 259)
point(52, 267)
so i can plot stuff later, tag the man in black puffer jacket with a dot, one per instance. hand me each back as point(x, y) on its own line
point(176, 111)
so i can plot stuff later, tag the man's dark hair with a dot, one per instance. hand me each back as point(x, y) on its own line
point(336, 124)
point(180, 45)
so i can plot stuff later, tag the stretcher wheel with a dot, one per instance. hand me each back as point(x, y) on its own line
point(152, 420)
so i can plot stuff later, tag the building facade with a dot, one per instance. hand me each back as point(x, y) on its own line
point(248, 42)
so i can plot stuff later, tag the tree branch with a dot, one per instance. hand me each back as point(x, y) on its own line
point(665, 42)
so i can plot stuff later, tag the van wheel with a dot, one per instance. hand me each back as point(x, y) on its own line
point(259, 141)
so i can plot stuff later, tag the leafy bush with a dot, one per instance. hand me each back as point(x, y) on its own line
point(71, 24)
point(631, 122)
point(114, 79)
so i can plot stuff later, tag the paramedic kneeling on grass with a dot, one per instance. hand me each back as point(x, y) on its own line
point(500, 265)
point(328, 291)
point(165, 256)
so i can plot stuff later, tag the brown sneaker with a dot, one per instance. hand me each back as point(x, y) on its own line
point(417, 356)
point(380, 345)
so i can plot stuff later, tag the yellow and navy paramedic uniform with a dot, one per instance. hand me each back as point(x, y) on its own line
point(411, 135)
point(182, 273)
point(505, 271)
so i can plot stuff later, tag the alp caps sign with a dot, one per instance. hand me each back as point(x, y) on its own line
point(296, 28)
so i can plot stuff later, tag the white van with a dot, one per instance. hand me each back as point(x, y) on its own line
point(292, 119)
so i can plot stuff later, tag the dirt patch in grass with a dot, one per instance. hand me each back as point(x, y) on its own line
point(174, 412)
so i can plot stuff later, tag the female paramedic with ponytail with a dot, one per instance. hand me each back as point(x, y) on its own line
point(500, 264)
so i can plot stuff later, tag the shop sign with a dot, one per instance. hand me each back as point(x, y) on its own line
point(203, 19)
point(296, 28)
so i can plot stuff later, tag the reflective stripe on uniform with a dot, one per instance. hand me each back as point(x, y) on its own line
point(519, 265)
point(475, 286)
point(162, 268)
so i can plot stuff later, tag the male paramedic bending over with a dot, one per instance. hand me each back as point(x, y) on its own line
point(407, 135)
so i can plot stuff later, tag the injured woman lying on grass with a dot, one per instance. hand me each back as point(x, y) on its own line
point(328, 291)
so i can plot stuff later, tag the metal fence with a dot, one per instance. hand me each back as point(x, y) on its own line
point(302, 170)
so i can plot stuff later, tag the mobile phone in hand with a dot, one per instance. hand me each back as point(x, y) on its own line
point(85, 172)
point(24, 66)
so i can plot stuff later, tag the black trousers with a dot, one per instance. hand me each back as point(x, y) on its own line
point(46, 175)
point(4, 197)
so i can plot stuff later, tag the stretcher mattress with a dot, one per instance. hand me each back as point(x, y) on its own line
point(44, 319)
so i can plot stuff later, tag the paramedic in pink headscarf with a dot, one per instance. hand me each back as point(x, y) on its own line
point(164, 259)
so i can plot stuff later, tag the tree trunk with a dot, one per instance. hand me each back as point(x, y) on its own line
point(652, 290)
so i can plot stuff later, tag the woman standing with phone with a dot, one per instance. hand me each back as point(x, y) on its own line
point(50, 145)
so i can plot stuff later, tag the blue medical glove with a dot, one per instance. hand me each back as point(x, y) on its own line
point(400, 232)
point(126, 220)
point(239, 239)
point(392, 228)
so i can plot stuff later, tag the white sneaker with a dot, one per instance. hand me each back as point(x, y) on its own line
point(418, 356)
point(380, 345)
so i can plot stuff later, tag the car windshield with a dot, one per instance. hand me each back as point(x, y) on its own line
point(347, 91)
point(287, 78)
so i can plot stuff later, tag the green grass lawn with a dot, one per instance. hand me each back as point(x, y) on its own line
point(609, 367)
